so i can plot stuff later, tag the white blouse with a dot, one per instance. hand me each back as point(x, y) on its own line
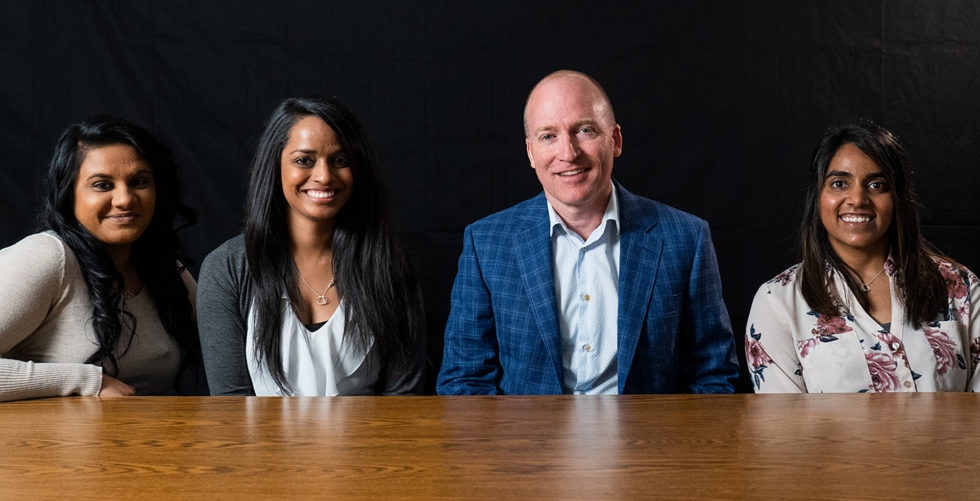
point(317, 363)
point(790, 348)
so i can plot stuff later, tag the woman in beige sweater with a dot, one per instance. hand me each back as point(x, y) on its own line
point(97, 303)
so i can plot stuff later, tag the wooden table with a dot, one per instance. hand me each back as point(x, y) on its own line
point(914, 446)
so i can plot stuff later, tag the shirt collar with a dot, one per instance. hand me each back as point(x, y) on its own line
point(611, 215)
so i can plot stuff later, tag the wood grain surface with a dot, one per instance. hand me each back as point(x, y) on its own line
point(882, 446)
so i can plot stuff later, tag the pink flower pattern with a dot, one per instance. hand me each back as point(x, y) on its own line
point(955, 284)
point(882, 368)
point(805, 346)
point(755, 354)
point(785, 277)
point(890, 267)
point(891, 340)
point(942, 347)
point(828, 326)
point(883, 357)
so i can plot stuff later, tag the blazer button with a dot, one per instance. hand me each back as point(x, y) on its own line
point(895, 345)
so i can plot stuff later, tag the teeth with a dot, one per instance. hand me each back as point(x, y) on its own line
point(572, 172)
point(856, 219)
point(321, 194)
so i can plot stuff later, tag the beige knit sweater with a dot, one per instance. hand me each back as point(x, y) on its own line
point(46, 329)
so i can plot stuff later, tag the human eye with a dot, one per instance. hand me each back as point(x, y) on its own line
point(342, 161)
point(545, 137)
point(141, 181)
point(102, 185)
point(304, 161)
point(878, 185)
point(837, 183)
point(586, 129)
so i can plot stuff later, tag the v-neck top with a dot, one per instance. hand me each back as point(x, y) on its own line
point(316, 363)
point(790, 348)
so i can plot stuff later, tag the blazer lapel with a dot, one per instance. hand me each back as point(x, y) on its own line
point(639, 253)
point(533, 243)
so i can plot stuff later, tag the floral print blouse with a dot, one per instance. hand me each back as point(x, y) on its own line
point(790, 348)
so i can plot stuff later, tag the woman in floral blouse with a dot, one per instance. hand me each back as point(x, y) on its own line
point(873, 306)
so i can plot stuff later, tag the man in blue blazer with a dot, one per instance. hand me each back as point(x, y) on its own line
point(585, 288)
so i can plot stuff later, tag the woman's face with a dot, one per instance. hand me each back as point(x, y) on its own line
point(856, 205)
point(115, 194)
point(317, 178)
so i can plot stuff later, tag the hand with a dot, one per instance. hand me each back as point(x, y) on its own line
point(112, 387)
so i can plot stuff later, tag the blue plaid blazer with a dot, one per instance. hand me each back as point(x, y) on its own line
point(503, 334)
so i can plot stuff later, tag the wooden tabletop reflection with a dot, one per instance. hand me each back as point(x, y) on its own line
point(631, 447)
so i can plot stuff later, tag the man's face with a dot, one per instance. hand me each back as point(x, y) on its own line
point(572, 140)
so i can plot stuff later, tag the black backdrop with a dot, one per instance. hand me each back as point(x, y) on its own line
point(720, 102)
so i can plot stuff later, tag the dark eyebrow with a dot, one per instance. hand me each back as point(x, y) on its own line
point(838, 173)
point(308, 152)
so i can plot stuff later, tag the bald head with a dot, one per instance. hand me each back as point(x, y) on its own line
point(561, 82)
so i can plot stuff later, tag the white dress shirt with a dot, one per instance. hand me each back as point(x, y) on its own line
point(587, 288)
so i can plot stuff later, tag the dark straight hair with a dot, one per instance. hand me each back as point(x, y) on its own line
point(921, 285)
point(155, 254)
point(371, 270)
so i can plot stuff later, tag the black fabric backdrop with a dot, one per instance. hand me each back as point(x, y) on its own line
point(720, 103)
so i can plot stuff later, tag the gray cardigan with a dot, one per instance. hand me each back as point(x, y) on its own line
point(224, 298)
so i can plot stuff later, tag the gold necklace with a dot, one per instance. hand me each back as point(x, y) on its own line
point(321, 299)
point(866, 286)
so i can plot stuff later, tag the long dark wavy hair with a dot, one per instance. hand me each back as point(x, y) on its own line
point(155, 254)
point(371, 270)
point(921, 285)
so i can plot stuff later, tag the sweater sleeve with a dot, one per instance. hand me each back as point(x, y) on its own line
point(32, 276)
point(221, 320)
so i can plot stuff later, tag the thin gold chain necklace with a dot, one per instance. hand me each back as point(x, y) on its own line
point(321, 299)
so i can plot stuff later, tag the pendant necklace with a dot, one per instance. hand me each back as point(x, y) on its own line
point(321, 299)
point(865, 286)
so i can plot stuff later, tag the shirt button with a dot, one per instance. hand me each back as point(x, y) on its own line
point(586, 348)
point(587, 297)
point(895, 345)
point(908, 384)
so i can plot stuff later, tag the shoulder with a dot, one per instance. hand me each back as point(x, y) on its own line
point(230, 252)
point(529, 211)
point(959, 279)
point(228, 260)
point(786, 278)
point(642, 211)
point(42, 252)
point(46, 244)
point(781, 289)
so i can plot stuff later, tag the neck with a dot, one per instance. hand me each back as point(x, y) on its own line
point(583, 220)
point(310, 240)
point(120, 256)
point(866, 264)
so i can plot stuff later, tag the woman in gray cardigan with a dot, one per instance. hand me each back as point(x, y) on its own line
point(316, 297)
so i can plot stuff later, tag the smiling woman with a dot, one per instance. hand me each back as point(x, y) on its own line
point(114, 195)
point(873, 306)
point(99, 303)
point(317, 296)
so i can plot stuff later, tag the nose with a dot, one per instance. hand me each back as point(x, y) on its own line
point(569, 149)
point(321, 172)
point(123, 197)
point(858, 196)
